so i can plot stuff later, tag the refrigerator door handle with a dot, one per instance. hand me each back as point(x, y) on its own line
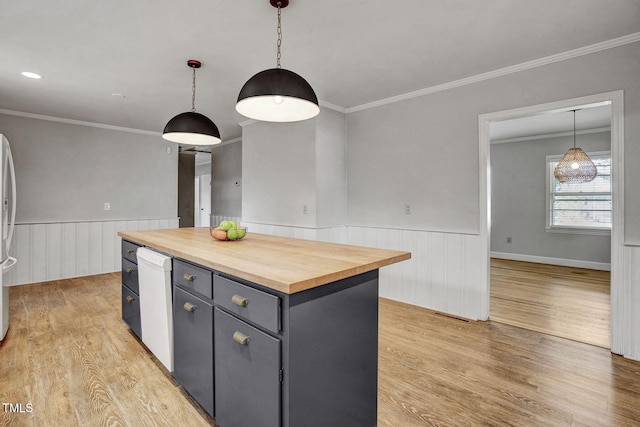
point(13, 197)
point(9, 263)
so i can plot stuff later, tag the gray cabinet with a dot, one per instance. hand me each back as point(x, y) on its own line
point(247, 374)
point(193, 346)
point(130, 292)
point(253, 356)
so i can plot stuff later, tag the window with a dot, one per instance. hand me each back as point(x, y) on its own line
point(583, 208)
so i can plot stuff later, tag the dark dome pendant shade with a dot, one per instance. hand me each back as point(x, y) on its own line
point(276, 94)
point(192, 128)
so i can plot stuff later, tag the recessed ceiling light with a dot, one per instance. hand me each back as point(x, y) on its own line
point(31, 75)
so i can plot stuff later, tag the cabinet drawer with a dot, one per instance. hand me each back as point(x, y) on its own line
point(131, 310)
point(193, 346)
point(247, 374)
point(193, 277)
point(129, 251)
point(130, 275)
point(251, 304)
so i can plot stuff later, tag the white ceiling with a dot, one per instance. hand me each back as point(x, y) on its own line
point(352, 52)
point(587, 117)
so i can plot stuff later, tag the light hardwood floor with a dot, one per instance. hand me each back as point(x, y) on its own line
point(567, 302)
point(70, 356)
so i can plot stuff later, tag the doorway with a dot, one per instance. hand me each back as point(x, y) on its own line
point(485, 121)
point(550, 241)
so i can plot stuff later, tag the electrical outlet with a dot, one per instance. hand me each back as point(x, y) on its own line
point(407, 210)
point(509, 239)
point(304, 209)
point(168, 150)
point(107, 206)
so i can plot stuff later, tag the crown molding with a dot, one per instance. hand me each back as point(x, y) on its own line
point(78, 122)
point(586, 50)
point(333, 107)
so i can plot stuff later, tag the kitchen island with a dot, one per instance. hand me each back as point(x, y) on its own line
point(273, 331)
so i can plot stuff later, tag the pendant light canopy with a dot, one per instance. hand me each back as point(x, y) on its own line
point(575, 166)
point(192, 128)
point(276, 94)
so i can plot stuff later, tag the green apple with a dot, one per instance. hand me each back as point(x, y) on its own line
point(232, 234)
point(225, 225)
point(241, 232)
point(233, 224)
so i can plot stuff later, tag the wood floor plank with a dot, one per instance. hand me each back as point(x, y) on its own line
point(70, 355)
point(567, 302)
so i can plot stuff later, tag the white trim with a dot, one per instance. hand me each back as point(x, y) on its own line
point(621, 340)
point(550, 135)
point(605, 266)
point(78, 122)
point(586, 50)
point(331, 106)
point(578, 230)
point(90, 124)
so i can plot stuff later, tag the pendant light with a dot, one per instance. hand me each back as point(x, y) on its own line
point(575, 166)
point(276, 94)
point(192, 128)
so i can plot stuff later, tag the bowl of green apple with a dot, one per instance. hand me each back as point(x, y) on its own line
point(227, 230)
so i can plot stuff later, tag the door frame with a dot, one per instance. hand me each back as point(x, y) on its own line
point(617, 194)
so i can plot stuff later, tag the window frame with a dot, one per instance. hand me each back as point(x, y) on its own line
point(597, 231)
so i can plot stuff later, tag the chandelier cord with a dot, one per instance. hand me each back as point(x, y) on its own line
point(574, 128)
point(279, 54)
point(193, 92)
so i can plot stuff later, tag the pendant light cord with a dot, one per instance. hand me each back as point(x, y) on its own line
point(279, 55)
point(574, 128)
point(193, 92)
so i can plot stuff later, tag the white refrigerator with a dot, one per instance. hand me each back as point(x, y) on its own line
point(8, 200)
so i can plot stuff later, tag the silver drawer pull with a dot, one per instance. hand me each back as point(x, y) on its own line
point(129, 270)
point(240, 338)
point(129, 251)
point(240, 301)
point(130, 299)
point(189, 277)
point(189, 307)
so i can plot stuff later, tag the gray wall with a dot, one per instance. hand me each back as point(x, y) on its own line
point(331, 169)
point(518, 205)
point(424, 151)
point(287, 166)
point(226, 170)
point(66, 172)
point(279, 173)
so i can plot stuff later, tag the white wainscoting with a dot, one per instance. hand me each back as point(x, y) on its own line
point(628, 313)
point(446, 271)
point(56, 251)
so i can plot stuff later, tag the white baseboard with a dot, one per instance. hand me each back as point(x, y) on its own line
point(553, 261)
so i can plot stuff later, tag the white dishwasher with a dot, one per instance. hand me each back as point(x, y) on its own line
point(156, 316)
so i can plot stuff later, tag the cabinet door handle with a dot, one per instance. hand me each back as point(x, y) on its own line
point(189, 277)
point(129, 270)
point(240, 301)
point(240, 338)
point(129, 250)
point(130, 299)
point(189, 307)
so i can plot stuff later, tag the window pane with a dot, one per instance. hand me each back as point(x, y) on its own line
point(583, 205)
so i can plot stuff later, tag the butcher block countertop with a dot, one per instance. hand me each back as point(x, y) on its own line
point(284, 264)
